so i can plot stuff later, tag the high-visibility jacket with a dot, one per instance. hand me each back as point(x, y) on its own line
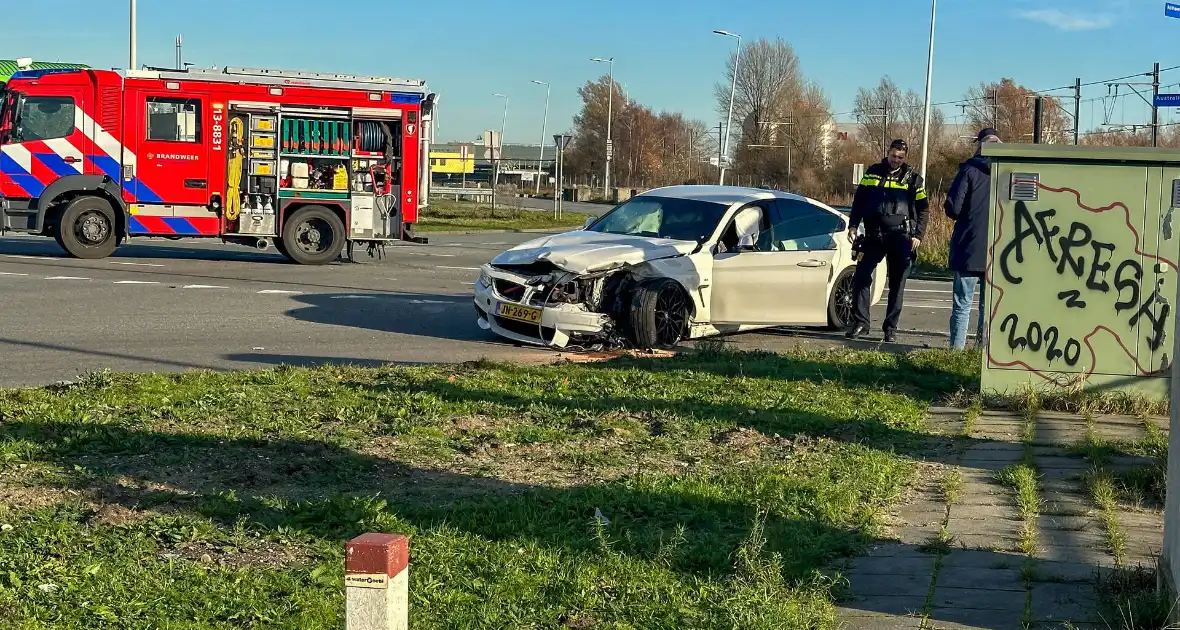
point(888, 202)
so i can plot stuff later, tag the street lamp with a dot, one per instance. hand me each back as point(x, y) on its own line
point(929, 75)
point(609, 103)
point(131, 61)
point(500, 149)
point(544, 130)
point(729, 117)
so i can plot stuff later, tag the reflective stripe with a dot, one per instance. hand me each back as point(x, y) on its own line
point(920, 195)
point(870, 180)
point(896, 185)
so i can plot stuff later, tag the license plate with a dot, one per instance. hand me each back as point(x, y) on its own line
point(519, 313)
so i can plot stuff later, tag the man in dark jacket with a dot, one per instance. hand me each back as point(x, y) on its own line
point(967, 204)
point(891, 202)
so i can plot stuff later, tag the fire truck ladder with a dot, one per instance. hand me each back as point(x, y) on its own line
point(286, 78)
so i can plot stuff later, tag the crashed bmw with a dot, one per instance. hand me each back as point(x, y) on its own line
point(675, 263)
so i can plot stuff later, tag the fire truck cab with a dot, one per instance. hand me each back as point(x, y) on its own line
point(308, 161)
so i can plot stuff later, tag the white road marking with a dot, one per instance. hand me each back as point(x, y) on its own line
point(278, 291)
point(430, 302)
point(354, 297)
point(459, 268)
point(136, 282)
point(203, 286)
point(9, 273)
point(431, 254)
point(66, 278)
point(29, 257)
point(131, 264)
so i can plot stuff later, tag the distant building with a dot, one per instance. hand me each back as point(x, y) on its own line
point(8, 67)
point(518, 165)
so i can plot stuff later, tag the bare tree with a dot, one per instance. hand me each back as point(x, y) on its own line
point(1008, 107)
point(885, 114)
point(779, 117)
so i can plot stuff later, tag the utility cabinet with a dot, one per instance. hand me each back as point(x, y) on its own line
point(1083, 245)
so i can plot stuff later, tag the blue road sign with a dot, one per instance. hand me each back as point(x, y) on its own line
point(1167, 100)
point(1172, 9)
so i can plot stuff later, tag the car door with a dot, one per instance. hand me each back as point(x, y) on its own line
point(808, 234)
point(173, 149)
point(783, 280)
point(751, 282)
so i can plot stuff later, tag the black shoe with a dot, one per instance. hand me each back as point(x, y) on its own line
point(890, 336)
point(857, 331)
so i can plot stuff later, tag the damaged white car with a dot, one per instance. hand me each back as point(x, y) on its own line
point(676, 263)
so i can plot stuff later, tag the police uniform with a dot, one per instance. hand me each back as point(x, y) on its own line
point(894, 209)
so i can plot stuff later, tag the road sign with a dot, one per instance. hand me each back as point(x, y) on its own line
point(1172, 9)
point(1167, 100)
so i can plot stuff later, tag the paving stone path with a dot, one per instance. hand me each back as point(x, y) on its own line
point(961, 557)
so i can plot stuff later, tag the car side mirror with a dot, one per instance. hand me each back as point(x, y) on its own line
point(589, 221)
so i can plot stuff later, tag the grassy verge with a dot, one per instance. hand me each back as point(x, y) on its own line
point(706, 491)
point(443, 215)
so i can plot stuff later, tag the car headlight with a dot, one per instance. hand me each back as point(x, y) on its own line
point(485, 280)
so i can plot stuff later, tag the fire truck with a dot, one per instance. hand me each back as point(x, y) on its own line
point(309, 161)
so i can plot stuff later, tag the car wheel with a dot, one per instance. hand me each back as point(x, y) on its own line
point(313, 235)
point(86, 228)
point(659, 315)
point(840, 302)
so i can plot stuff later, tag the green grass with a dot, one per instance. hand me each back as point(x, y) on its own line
point(729, 483)
point(443, 215)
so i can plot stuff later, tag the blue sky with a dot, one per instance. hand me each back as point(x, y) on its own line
point(665, 53)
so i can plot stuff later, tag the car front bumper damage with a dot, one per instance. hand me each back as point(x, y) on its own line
point(527, 309)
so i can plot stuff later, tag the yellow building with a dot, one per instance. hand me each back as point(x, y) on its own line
point(451, 163)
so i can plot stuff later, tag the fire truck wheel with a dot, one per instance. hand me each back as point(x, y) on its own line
point(313, 235)
point(86, 228)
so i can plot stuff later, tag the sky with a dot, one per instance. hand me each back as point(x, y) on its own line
point(666, 55)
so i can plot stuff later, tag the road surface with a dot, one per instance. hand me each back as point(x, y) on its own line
point(162, 305)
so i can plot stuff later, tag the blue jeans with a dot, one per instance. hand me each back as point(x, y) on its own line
point(964, 290)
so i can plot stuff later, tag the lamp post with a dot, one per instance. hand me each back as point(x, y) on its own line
point(610, 149)
point(131, 61)
point(500, 147)
point(544, 131)
point(729, 117)
point(929, 76)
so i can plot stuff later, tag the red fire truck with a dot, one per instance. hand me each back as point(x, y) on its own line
point(308, 161)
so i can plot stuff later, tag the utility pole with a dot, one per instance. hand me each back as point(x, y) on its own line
point(995, 97)
point(885, 129)
point(1155, 110)
point(926, 104)
point(131, 61)
point(1038, 110)
point(1077, 109)
point(179, 55)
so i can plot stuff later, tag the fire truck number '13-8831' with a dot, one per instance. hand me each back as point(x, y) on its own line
point(310, 161)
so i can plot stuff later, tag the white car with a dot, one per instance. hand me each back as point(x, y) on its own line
point(676, 263)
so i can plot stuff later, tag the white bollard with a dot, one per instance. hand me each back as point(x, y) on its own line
point(377, 582)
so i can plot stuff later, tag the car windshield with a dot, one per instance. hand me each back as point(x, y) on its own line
point(663, 217)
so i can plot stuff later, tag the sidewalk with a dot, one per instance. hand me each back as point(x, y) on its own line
point(982, 546)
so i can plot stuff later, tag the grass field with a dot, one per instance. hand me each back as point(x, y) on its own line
point(725, 483)
point(444, 215)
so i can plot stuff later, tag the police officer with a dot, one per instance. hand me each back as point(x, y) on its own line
point(891, 203)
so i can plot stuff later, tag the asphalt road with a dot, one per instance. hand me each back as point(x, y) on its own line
point(162, 305)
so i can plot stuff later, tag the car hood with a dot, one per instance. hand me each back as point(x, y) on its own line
point(587, 252)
